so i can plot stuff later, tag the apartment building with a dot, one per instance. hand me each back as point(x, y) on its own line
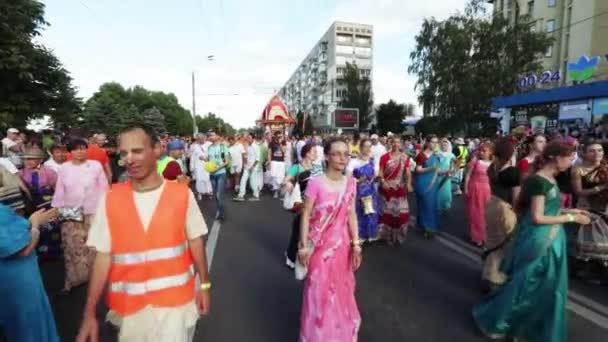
point(316, 87)
point(580, 28)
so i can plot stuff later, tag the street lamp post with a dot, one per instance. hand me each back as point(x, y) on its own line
point(210, 58)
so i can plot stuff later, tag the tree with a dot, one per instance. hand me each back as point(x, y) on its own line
point(212, 122)
point(304, 125)
point(33, 83)
point(113, 108)
point(358, 94)
point(390, 117)
point(461, 63)
point(153, 118)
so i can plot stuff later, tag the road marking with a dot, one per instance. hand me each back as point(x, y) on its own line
point(579, 304)
point(209, 249)
point(212, 242)
point(588, 314)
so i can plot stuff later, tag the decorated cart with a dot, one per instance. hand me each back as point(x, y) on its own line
point(275, 116)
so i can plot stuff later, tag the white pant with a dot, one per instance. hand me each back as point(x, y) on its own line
point(277, 171)
point(254, 178)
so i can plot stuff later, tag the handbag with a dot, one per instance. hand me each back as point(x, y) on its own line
point(300, 270)
point(592, 239)
point(71, 214)
point(293, 198)
point(10, 192)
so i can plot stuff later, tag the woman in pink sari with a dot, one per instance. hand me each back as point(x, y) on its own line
point(477, 193)
point(331, 250)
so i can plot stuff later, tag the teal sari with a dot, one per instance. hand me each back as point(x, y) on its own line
point(444, 194)
point(532, 304)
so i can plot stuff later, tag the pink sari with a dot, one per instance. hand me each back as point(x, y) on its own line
point(329, 308)
point(478, 195)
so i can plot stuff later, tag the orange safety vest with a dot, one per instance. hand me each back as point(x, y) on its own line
point(152, 267)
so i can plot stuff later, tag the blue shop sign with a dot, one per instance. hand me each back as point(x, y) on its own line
point(600, 106)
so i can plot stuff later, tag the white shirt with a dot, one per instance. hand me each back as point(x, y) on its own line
point(320, 155)
point(8, 165)
point(150, 321)
point(236, 154)
point(12, 156)
point(299, 146)
point(253, 155)
point(378, 151)
point(52, 164)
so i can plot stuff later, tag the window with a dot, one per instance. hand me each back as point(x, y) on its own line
point(550, 26)
point(363, 40)
point(552, 3)
point(363, 51)
point(549, 52)
point(340, 71)
point(344, 49)
point(531, 7)
point(341, 60)
point(344, 38)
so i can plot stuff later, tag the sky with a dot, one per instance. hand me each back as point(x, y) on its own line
point(256, 44)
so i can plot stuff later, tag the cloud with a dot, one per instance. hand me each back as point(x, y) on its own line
point(255, 54)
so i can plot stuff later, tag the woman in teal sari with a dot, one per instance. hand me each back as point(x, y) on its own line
point(446, 166)
point(426, 186)
point(26, 314)
point(531, 305)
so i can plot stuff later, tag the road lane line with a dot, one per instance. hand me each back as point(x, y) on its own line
point(212, 242)
point(579, 304)
point(461, 243)
point(588, 303)
point(588, 314)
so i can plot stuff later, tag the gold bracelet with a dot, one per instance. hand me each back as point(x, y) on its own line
point(206, 286)
point(356, 243)
point(570, 217)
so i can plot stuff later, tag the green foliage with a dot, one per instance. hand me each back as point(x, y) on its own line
point(358, 94)
point(113, 108)
point(464, 61)
point(390, 116)
point(304, 125)
point(153, 118)
point(33, 83)
point(212, 122)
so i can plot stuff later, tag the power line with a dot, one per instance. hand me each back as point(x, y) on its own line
point(579, 22)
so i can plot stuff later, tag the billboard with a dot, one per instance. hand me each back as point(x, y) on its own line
point(346, 118)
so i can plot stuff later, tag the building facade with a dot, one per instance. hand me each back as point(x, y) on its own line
point(579, 27)
point(316, 87)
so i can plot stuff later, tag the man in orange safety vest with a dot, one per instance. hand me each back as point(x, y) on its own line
point(148, 236)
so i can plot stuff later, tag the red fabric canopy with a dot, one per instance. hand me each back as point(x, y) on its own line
point(276, 112)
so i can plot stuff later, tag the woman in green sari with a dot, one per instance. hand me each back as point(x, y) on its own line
point(531, 305)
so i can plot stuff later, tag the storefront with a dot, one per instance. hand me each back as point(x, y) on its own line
point(564, 109)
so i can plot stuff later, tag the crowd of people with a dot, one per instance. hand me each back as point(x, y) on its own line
point(74, 199)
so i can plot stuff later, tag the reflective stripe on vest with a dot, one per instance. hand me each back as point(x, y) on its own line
point(151, 255)
point(153, 266)
point(156, 284)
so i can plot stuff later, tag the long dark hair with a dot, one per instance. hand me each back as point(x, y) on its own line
point(554, 149)
point(504, 148)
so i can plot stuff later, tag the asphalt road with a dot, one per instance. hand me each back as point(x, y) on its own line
point(421, 291)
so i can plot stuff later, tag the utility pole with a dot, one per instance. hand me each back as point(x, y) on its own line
point(194, 126)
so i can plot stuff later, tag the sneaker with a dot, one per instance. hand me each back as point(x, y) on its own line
point(238, 199)
point(254, 199)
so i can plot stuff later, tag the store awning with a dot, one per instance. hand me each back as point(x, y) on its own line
point(561, 94)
